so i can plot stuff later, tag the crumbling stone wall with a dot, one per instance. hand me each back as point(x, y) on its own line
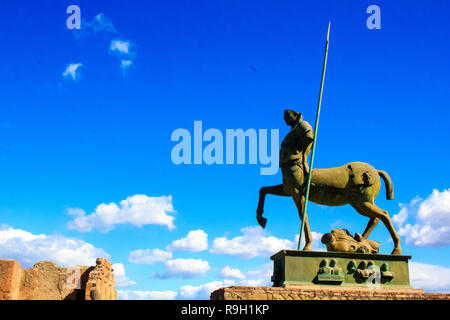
point(100, 285)
point(46, 281)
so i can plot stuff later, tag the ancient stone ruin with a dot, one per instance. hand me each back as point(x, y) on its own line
point(46, 281)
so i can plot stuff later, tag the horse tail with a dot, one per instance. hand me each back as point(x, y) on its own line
point(388, 184)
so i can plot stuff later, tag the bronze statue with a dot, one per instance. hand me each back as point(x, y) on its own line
point(340, 240)
point(355, 183)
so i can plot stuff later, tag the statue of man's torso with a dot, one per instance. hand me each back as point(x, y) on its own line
point(296, 144)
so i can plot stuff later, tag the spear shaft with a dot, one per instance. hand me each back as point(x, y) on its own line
point(308, 183)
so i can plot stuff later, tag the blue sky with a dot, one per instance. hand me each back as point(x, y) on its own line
point(87, 115)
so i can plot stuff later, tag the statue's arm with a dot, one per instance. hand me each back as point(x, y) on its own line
point(305, 135)
point(309, 137)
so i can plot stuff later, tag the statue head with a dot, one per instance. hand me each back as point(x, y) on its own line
point(292, 117)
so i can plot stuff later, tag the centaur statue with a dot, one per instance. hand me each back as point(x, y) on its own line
point(356, 183)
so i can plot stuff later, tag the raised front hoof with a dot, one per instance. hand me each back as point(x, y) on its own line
point(397, 251)
point(262, 221)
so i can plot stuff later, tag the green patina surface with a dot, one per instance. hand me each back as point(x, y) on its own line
point(292, 267)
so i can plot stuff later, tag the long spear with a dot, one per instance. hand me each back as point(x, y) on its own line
point(308, 184)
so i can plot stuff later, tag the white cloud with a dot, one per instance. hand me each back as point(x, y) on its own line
point(146, 295)
point(102, 23)
point(102, 26)
point(149, 256)
point(195, 241)
point(316, 243)
point(120, 47)
point(184, 268)
point(76, 212)
point(400, 218)
point(137, 210)
point(121, 280)
point(429, 277)
point(431, 227)
point(259, 277)
point(125, 64)
point(252, 243)
point(341, 225)
point(203, 291)
point(231, 273)
point(29, 248)
point(72, 71)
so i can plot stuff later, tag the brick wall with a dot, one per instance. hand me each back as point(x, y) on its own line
point(322, 293)
point(10, 276)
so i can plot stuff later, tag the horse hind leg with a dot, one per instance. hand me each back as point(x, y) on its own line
point(373, 211)
point(370, 225)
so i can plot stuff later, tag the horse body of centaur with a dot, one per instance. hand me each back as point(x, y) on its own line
point(355, 183)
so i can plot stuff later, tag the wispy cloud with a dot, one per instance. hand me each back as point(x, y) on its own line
point(123, 49)
point(146, 295)
point(184, 268)
point(259, 277)
point(187, 292)
point(125, 64)
point(102, 26)
point(120, 47)
point(149, 256)
point(99, 24)
point(102, 23)
point(202, 291)
point(72, 71)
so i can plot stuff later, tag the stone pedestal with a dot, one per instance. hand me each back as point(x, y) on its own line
point(340, 269)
